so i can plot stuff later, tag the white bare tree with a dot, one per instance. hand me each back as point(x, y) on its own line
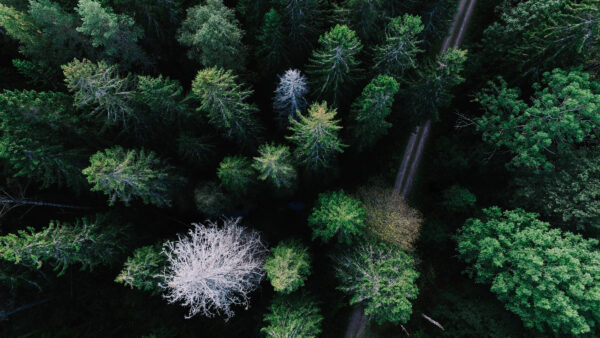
point(214, 268)
point(290, 94)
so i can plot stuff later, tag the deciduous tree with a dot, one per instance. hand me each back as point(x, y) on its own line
point(292, 316)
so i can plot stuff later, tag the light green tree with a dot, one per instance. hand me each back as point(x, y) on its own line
point(288, 266)
point(143, 270)
point(274, 165)
point(293, 316)
point(398, 53)
point(547, 277)
point(337, 215)
point(316, 137)
point(236, 174)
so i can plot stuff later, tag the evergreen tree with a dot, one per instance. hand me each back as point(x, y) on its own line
point(288, 266)
point(562, 114)
point(316, 137)
point(274, 165)
point(20, 26)
point(303, 19)
point(87, 242)
point(337, 215)
point(223, 101)
point(210, 199)
point(398, 53)
point(381, 278)
point(547, 277)
point(116, 34)
point(290, 94)
point(334, 64)
point(99, 86)
point(143, 271)
point(458, 199)
point(125, 174)
point(370, 110)
point(161, 95)
point(273, 48)
point(365, 17)
point(296, 316)
point(212, 32)
point(236, 174)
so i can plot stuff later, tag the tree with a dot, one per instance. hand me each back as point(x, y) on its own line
point(116, 34)
point(20, 27)
point(212, 33)
point(389, 218)
point(288, 266)
point(273, 48)
point(458, 199)
point(334, 64)
point(568, 195)
point(223, 101)
point(99, 86)
point(370, 110)
point(88, 242)
point(398, 53)
point(337, 214)
point(316, 137)
point(431, 88)
point(303, 18)
point(562, 114)
point(126, 174)
point(290, 94)
point(210, 199)
point(160, 95)
point(144, 269)
point(547, 277)
point(292, 316)
point(274, 165)
point(364, 16)
point(33, 126)
point(236, 174)
point(214, 268)
point(380, 277)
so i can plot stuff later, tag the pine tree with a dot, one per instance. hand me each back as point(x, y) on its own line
point(87, 242)
point(236, 174)
point(334, 64)
point(297, 316)
point(337, 215)
point(290, 94)
point(316, 137)
point(223, 101)
point(116, 34)
point(370, 110)
point(126, 174)
point(288, 266)
point(273, 48)
point(212, 32)
point(398, 53)
point(274, 165)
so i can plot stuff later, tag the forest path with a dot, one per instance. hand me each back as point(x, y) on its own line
point(414, 149)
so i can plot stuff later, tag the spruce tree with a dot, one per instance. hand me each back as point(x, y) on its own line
point(273, 48)
point(398, 53)
point(274, 165)
point(337, 215)
point(288, 266)
point(290, 94)
point(143, 270)
point(236, 174)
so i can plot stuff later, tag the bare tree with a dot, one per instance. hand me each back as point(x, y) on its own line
point(214, 268)
point(290, 94)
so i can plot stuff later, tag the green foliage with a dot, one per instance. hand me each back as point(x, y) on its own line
point(364, 16)
point(161, 95)
point(212, 33)
point(316, 137)
point(334, 64)
point(33, 125)
point(116, 34)
point(458, 199)
point(303, 19)
point(370, 110)
point(87, 242)
point(274, 165)
point(398, 53)
point(382, 278)
point(99, 86)
point(125, 174)
point(292, 316)
point(288, 266)
point(337, 214)
point(569, 195)
point(143, 270)
point(562, 114)
point(20, 27)
point(223, 101)
point(547, 277)
point(273, 49)
point(236, 174)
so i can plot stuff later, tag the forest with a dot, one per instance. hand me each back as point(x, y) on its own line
point(299, 168)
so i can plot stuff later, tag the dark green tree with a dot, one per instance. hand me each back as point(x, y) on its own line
point(296, 316)
point(369, 111)
point(236, 174)
point(398, 53)
point(303, 19)
point(458, 199)
point(210, 199)
point(382, 278)
point(273, 48)
point(365, 17)
point(337, 215)
point(212, 32)
point(143, 270)
point(334, 63)
point(224, 103)
point(316, 137)
point(274, 165)
point(547, 277)
point(126, 174)
point(288, 266)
